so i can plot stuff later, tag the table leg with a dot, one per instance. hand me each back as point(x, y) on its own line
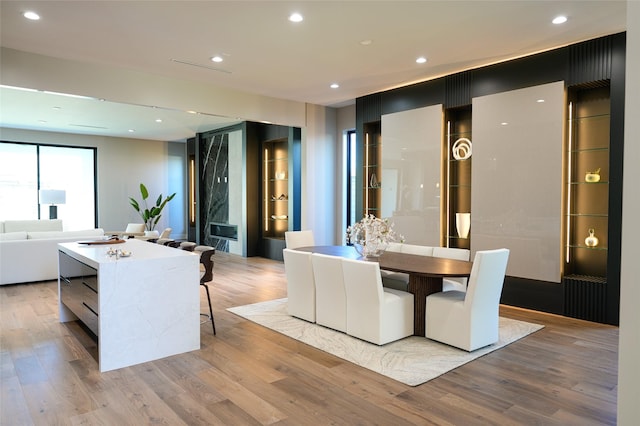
point(421, 286)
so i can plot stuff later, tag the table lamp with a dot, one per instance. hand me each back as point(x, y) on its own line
point(52, 197)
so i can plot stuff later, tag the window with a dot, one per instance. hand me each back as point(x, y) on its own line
point(26, 168)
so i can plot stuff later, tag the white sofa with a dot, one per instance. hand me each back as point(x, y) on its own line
point(29, 249)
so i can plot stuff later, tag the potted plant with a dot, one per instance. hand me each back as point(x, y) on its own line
point(152, 215)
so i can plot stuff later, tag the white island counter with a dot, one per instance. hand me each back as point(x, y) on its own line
point(142, 307)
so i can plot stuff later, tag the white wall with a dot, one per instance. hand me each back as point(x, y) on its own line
point(516, 200)
point(629, 347)
point(346, 120)
point(122, 164)
point(320, 174)
point(411, 163)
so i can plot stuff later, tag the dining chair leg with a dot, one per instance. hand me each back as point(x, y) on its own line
point(213, 323)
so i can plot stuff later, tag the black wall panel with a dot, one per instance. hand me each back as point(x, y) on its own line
point(597, 60)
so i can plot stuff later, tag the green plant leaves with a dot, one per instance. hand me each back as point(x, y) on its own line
point(152, 215)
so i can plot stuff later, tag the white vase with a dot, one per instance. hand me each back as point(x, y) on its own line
point(151, 234)
point(463, 223)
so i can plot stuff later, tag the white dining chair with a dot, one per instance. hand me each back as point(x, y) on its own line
point(417, 249)
point(294, 239)
point(453, 283)
point(470, 320)
point(331, 299)
point(301, 288)
point(399, 280)
point(375, 314)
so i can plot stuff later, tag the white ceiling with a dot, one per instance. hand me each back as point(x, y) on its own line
point(268, 55)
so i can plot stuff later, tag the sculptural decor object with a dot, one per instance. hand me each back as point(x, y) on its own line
point(592, 177)
point(591, 240)
point(461, 149)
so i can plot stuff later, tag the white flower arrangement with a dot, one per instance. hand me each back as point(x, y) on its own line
point(372, 235)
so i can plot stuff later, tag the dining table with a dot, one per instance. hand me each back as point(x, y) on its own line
point(425, 273)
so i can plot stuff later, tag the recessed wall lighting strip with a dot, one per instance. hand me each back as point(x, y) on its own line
point(568, 207)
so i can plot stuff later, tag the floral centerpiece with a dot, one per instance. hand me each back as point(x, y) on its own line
point(372, 235)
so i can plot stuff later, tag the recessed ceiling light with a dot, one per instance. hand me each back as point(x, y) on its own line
point(366, 42)
point(504, 123)
point(56, 107)
point(295, 17)
point(131, 130)
point(540, 101)
point(31, 15)
point(335, 85)
point(559, 19)
point(158, 120)
point(421, 60)
point(217, 58)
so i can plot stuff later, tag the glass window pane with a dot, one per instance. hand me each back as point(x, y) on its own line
point(18, 181)
point(71, 170)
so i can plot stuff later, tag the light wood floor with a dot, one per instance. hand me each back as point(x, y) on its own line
point(565, 374)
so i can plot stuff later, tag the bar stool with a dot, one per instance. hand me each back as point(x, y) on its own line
point(206, 275)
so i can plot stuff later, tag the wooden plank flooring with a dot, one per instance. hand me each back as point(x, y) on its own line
point(565, 374)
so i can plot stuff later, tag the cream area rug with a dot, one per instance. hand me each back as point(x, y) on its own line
point(413, 360)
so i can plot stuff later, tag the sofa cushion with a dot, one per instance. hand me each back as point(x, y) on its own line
point(65, 234)
point(33, 225)
point(13, 236)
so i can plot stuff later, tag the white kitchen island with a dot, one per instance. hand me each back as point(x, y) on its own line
point(141, 308)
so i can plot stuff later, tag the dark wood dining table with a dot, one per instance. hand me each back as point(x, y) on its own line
point(425, 273)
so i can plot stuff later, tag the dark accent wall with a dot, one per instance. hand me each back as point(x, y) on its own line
point(590, 61)
point(214, 186)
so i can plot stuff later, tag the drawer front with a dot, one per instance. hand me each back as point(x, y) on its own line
point(88, 317)
point(79, 290)
point(70, 293)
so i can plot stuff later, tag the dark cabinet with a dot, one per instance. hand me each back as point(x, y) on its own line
point(79, 290)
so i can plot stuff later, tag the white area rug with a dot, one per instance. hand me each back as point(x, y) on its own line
point(412, 361)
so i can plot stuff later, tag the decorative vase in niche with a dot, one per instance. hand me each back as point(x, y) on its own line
point(591, 240)
point(463, 223)
point(373, 182)
point(368, 247)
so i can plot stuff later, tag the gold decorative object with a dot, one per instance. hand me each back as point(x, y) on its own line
point(591, 240)
point(592, 177)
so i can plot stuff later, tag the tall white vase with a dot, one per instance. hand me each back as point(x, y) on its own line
point(463, 223)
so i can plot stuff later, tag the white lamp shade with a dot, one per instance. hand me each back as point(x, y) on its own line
point(53, 196)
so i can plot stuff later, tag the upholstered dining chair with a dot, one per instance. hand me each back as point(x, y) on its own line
point(395, 280)
point(331, 300)
point(206, 275)
point(294, 239)
point(470, 320)
point(301, 287)
point(375, 314)
point(459, 284)
point(399, 280)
